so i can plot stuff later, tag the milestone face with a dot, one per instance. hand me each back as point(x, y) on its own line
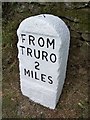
point(42, 52)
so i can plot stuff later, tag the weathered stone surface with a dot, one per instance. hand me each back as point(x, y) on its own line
point(43, 51)
point(75, 34)
point(86, 36)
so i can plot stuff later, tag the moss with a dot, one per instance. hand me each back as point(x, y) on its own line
point(9, 105)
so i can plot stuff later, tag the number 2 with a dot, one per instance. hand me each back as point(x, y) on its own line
point(37, 65)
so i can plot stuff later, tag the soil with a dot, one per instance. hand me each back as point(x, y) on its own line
point(73, 102)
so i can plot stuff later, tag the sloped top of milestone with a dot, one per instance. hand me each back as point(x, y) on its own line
point(44, 24)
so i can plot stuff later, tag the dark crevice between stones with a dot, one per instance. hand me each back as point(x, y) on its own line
point(70, 19)
point(85, 5)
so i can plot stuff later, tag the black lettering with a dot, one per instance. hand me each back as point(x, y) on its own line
point(22, 49)
point(26, 72)
point(50, 80)
point(32, 74)
point(29, 52)
point(31, 40)
point(36, 66)
point(41, 42)
point(43, 77)
point(53, 56)
point(38, 54)
point(23, 35)
point(36, 76)
point(50, 43)
point(44, 55)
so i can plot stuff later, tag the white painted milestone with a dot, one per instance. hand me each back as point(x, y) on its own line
point(43, 45)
